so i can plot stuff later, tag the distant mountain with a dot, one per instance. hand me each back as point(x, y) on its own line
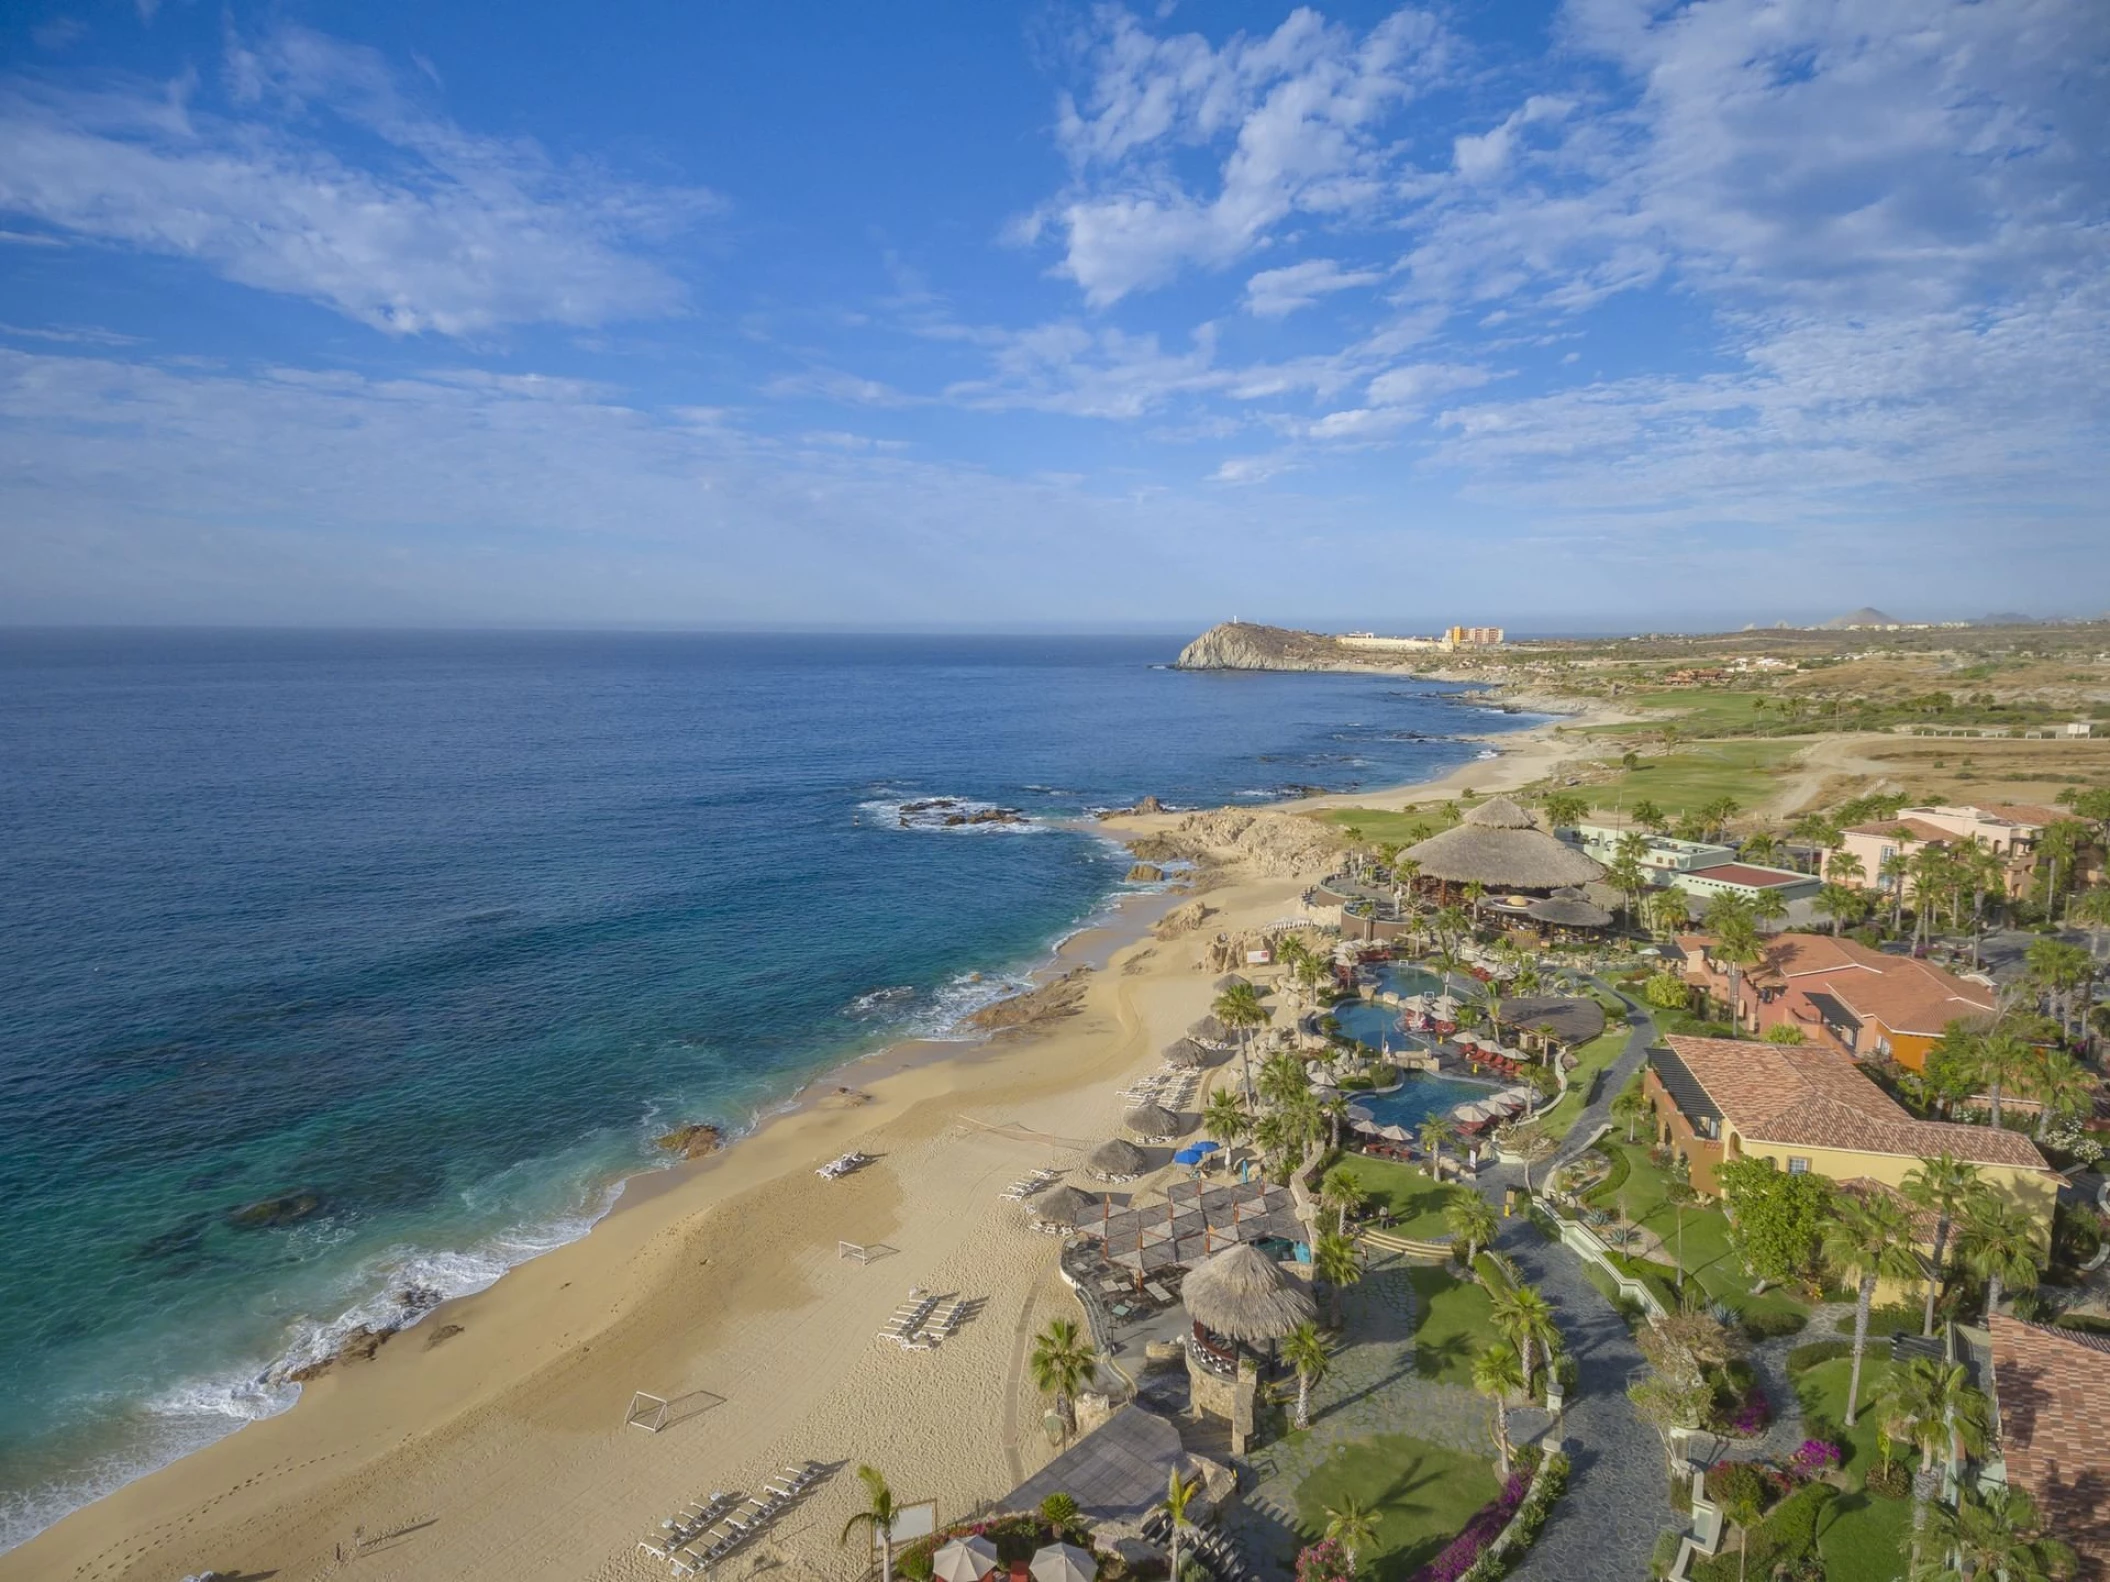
point(2007, 618)
point(1865, 616)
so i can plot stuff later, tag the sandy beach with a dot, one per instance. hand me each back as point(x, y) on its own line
point(490, 1442)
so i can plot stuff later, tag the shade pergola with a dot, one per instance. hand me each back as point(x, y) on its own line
point(1242, 1294)
point(1499, 845)
point(1065, 1205)
point(1194, 1222)
point(1118, 1158)
point(1154, 1120)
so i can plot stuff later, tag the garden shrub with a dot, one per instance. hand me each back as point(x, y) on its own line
point(1805, 1357)
point(1889, 1479)
point(1738, 1489)
point(1897, 1318)
point(1770, 1325)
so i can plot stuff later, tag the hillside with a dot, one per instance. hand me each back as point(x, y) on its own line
point(1242, 645)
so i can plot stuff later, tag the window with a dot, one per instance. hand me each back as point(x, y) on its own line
point(1798, 1167)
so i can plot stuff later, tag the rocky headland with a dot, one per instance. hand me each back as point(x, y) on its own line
point(1242, 645)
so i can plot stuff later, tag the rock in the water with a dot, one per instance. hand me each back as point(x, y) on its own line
point(1149, 804)
point(445, 1332)
point(1145, 873)
point(693, 1141)
point(359, 1345)
point(287, 1209)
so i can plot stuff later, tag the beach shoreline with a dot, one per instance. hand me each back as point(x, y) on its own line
point(286, 1493)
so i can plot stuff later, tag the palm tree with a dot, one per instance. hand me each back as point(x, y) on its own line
point(1524, 1318)
point(1736, 946)
point(1179, 1492)
point(1999, 1243)
point(2061, 1086)
point(1632, 1107)
point(1471, 1219)
point(1668, 910)
point(1239, 1007)
point(1934, 1405)
point(1339, 1192)
point(877, 1518)
point(1497, 1376)
point(1225, 1119)
point(1436, 1132)
point(1841, 903)
point(1062, 1364)
point(1305, 1349)
point(1867, 1239)
point(1339, 1262)
point(1997, 1535)
point(1942, 1185)
point(1768, 906)
point(2004, 1059)
point(1843, 867)
point(1650, 817)
point(1352, 1527)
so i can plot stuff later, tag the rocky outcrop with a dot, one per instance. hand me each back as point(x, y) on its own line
point(693, 1141)
point(1181, 920)
point(1241, 645)
point(1050, 1002)
point(1277, 845)
point(1145, 873)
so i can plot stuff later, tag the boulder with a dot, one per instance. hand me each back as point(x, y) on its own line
point(692, 1141)
point(1148, 804)
point(1145, 873)
point(1181, 920)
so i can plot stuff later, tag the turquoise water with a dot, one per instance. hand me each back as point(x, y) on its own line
point(432, 933)
point(1423, 1096)
point(1377, 1026)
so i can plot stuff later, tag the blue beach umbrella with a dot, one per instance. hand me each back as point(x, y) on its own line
point(1195, 1153)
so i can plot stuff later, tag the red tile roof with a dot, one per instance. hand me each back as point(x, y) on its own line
point(2053, 1391)
point(1905, 994)
point(1914, 828)
point(1813, 1096)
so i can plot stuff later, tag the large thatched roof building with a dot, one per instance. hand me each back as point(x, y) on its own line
point(1499, 845)
point(1242, 1294)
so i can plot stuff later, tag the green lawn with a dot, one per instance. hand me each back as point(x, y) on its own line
point(1699, 713)
point(1863, 1535)
point(1454, 1323)
point(1595, 1056)
point(1385, 828)
point(1422, 1494)
point(1706, 1251)
point(1417, 1203)
point(1697, 774)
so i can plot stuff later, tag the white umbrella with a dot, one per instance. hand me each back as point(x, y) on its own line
point(1063, 1563)
point(1470, 1112)
point(964, 1560)
point(1397, 1134)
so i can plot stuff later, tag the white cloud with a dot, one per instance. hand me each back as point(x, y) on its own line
point(451, 233)
point(1277, 293)
point(1295, 115)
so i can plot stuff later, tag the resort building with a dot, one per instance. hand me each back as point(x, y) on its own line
point(1472, 637)
point(1840, 993)
point(1747, 881)
point(2050, 1390)
point(2011, 831)
point(1661, 857)
point(1808, 1108)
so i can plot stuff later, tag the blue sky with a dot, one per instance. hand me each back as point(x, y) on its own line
point(1570, 316)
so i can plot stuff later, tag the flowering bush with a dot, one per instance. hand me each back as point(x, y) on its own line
point(1459, 1556)
point(1815, 1457)
point(1325, 1561)
point(1752, 1417)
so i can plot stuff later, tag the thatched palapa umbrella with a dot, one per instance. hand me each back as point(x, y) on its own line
point(1499, 845)
point(1568, 908)
point(1211, 1030)
point(1065, 1205)
point(1154, 1120)
point(1187, 1055)
point(1232, 980)
point(1118, 1158)
point(1242, 1294)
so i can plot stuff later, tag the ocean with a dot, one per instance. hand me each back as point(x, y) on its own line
point(422, 938)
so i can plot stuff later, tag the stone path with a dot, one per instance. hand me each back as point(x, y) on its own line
point(1598, 1112)
point(1371, 1389)
point(1769, 1360)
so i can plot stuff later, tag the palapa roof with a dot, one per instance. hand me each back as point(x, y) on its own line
point(1064, 1205)
point(1498, 845)
point(1187, 1053)
point(1210, 1030)
point(1242, 1294)
point(1233, 980)
point(1154, 1120)
point(1558, 1016)
point(1119, 1157)
point(1569, 911)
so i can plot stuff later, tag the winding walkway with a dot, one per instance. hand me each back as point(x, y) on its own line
point(1604, 1529)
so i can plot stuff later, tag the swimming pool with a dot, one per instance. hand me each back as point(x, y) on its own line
point(1422, 1096)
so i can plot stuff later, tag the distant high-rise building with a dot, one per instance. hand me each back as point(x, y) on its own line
point(1472, 637)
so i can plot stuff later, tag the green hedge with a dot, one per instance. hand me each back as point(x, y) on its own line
point(1805, 1357)
point(1899, 1318)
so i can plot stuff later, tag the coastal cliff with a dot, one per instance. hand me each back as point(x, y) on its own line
point(1241, 645)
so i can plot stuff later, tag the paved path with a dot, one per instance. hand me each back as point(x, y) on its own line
point(1371, 1389)
point(1769, 1360)
point(1618, 1498)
